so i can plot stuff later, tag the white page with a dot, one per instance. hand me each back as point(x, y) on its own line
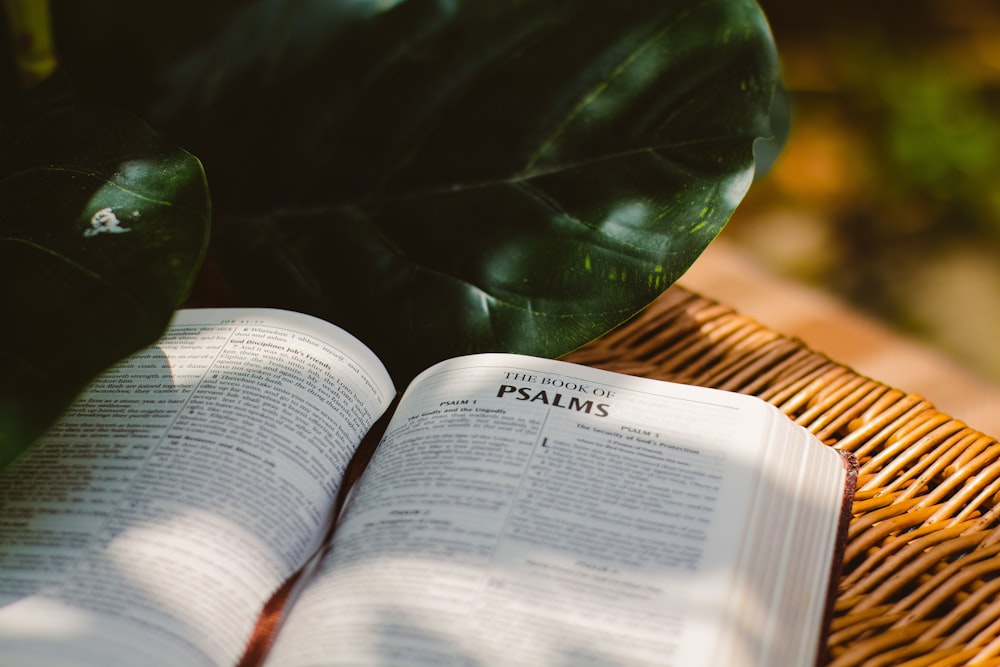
point(528, 512)
point(153, 522)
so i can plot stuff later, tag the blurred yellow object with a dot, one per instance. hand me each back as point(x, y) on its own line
point(32, 45)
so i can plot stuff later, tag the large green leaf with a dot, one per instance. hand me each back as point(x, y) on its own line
point(443, 176)
point(102, 229)
point(452, 177)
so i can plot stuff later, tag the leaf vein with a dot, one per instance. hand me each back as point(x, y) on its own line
point(588, 99)
point(93, 275)
point(97, 177)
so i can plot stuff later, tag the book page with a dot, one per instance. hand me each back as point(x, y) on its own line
point(150, 525)
point(529, 512)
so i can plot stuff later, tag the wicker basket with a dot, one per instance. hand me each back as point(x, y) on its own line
point(920, 582)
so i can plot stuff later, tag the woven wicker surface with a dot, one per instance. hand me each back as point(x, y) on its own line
point(920, 582)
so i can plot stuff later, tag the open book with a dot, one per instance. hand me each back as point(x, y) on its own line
point(198, 505)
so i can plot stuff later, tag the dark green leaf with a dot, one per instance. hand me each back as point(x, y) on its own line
point(103, 226)
point(515, 176)
point(448, 177)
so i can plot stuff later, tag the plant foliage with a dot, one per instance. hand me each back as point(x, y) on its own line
point(103, 224)
point(442, 177)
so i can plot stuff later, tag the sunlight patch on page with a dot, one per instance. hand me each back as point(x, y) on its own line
point(44, 618)
point(181, 578)
point(177, 568)
point(45, 631)
point(549, 610)
point(182, 372)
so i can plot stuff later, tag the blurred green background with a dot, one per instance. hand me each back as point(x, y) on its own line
point(887, 192)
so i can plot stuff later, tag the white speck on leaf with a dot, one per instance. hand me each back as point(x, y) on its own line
point(105, 222)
